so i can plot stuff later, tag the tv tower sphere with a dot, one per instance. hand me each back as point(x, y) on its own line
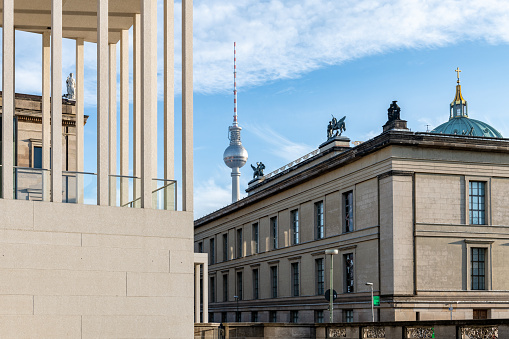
point(235, 155)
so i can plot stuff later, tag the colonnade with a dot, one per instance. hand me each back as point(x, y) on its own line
point(144, 138)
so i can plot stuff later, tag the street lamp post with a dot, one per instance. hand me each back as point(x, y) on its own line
point(237, 313)
point(372, 302)
point(331, 289)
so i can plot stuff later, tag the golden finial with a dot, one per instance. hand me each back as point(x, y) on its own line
point(457, 70)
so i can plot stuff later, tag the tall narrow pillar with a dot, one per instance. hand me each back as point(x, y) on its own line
point(80, 116)
point(196, 293)
point(169, 173)
point(56, 102)
point(113, 124)
point(137, 109)
point(205, 280)
point(153, 71)
point(187, 105)
point(147, 98)
point(124, 116)
point(46, 113)
point(102, 102)
point(8, 98)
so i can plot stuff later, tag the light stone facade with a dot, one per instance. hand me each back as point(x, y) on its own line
point(412, 236)
point(72, 268)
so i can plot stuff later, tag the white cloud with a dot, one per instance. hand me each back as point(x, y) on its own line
point(280, 146)
point(283, 39)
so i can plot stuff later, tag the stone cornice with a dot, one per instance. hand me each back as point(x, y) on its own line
point(389, 138)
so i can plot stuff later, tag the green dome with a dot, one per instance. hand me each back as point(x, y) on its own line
point(462, 125)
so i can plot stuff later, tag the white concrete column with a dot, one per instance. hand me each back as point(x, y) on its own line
point(102, 102)
point(8, 99)
point(80, 116)
point(124, 116)
point(154, 92)
point(56, 100)
point(147, 100)
point(137, 107)
point(46, 113)
point(112, 123)
point(169, 128)
point(196, 293)
point(205, 280)
point(187, 105)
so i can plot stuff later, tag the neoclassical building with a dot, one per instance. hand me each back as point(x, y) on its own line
point(108, 253)
point(421, 216)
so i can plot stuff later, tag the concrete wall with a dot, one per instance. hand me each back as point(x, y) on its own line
point(81, 271)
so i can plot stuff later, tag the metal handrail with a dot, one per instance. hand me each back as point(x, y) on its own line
point(74, 172)
point(130, 203)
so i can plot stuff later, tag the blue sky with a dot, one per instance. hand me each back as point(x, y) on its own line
point(301, 61)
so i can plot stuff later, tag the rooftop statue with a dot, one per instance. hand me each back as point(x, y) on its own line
point(258, 170)
point(335, 125)
point(71, 86)
point(393, 112)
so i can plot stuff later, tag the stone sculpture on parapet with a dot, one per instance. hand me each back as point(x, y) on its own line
point(335, 125)
point(71, 87)
point(394, 121)
point(258, 170)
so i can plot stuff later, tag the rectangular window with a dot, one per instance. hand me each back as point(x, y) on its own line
point(223, 317)
point(476, 202)
point(237, 317)
point(294, 317)
point(212, 289)
point(319, 317)
point(349, 277)
point(478, 268)
point(480, 313)
point(239, 285)
point(239, 243)
point(295, 279)
point(37, 157)
point(320, 278)
point(211, 317)
point(225, 287)
point(256, 281)
point(200, 247)
point(225, 247)
point(273, 232)
point(254, 316)
point(273, 316)
point(212, 253)
point(295, 226)
point(256, 238)
point(319, 220)
point(348, 316)
point(348, 212)
point(273, 281)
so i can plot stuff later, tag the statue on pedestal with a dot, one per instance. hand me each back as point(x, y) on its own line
point(258, 170)
point(71, 86)
point(335, 125)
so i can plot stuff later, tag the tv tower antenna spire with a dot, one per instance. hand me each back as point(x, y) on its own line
point(235, 155)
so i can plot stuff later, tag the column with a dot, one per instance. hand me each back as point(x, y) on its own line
point(8, 98)
point(46, 113)
point(148, 96)
point(124, 116)
point(205, 280)
point(169, 127)
point(196, 293)
point(113, 124)
point(153, 111)
point(137, 109)
point(56, 102)
point(102, 102)
point(80, 118)
point(187, 105)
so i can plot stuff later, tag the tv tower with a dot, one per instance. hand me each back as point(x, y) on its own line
point(235, 155)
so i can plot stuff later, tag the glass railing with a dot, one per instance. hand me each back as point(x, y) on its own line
point(164, 195)
point(31, 184)
point(124, 191)
point(79, 188)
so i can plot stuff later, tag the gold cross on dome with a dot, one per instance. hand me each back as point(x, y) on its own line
point(457, 70)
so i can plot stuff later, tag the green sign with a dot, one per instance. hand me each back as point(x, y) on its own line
point(376, 300)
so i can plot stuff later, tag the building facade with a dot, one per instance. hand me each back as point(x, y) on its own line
point(117, 263)
point(421, 216)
